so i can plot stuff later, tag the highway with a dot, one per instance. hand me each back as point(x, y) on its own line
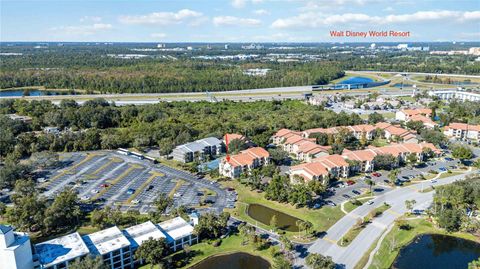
point(348, 257)
point(280, 93)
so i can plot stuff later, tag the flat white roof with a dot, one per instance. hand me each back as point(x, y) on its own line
point(106, 241)
point(61, 249)
point(142, 232)
point(176, 228)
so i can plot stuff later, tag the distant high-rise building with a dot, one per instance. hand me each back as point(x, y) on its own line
point(372, 46)
point(161, 45)
point(402, 46)
point(227, 46)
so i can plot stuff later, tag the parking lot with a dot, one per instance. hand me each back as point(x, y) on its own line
point(341, 192)
point(131, 183)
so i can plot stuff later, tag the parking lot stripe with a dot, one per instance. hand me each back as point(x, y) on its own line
point(179, 183)
point(329, 240)
point(154, 174)
point(116, 180)
point(113, 160)
point(88, 158)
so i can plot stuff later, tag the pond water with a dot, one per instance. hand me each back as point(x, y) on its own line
point(264, 214)
point(237, 260)
point(17, 93)
point(431, 251)
point(356, 80)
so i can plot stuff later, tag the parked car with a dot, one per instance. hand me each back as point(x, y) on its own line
point(316, 206)
point(331, 203)
point(356, 192)
point(376, 174)
point(370, 202)
point(448, 159)
point(443, 169)
point(386, 181)
point(85, 198)
point(135, 201)
point(95, 191)
point(150, 187)
point(346, 196)
point(104, 185)
point(130, 191)
point(398, 183)
point(350, 182)
point(433, 181)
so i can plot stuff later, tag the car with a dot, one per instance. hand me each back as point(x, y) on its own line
point(356, 192)
point(104, 185)
point(130, 191)
point(94, 191)
point(316, 206)
point(453, 167)
point(443, 169)
point(346, 196)
point(405, 177)
point(350, 182)
point(370, 202)
point(386, 181)
point(433, 181)
point(448, 159)
point(398, 183)
point(135, 201)
point(150, 187)
point(85, 198)
point(376, 174)
point(331, 203)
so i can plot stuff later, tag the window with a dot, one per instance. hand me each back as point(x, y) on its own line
point(126, 249)
point(116, 252)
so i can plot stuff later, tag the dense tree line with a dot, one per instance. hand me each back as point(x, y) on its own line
point(454, 203)
point(154, 76)
point(99, 125)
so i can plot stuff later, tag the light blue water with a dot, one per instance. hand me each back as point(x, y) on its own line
point(356, 80)
point(209, 166)
point(17, 93)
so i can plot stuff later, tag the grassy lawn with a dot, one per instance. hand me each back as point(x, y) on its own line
point(321, 219)
point(398, 238)
point(230, 244)
point(349, 206)
point(444, 175)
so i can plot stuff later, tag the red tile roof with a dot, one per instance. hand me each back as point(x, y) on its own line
point(247, 157)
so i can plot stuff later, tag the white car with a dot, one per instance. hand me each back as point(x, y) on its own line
point(433, 181)
point(85, 198)
point(95, 191)
point(135, 201)
point(369, 202)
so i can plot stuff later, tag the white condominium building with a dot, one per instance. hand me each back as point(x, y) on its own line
point(15, 249)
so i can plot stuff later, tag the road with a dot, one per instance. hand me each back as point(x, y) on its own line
point(348, 257)
point(279, 93)
point(415, 73)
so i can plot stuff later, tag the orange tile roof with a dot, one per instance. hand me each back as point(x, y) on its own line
point(362, 128)
point(246, 157)
point(313, 169)
point(233, 137)
point(293, 139)
point(412, 112)
point(423, 119)
point(331, 161)
point(360, 155)
point(463, 126)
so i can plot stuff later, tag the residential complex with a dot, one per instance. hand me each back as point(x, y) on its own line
point(242, 163)
point(462, 131)
point(198, 150)
point(357, 161)
point(449, 95)
point(115, 246)
point(407, 114)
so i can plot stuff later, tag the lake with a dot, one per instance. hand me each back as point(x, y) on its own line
point(16, 93)
point(432, 251)
point(264, 214)
point(237, 260)
point(356, 80)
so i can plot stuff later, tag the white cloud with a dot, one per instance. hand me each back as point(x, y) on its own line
point(242, 3)
point(316, 19)
point(158, 35)
point(238, 3)
point(235, 21)
point(82, 30)
point(162, 18)
point(261, 12)
point(388, 9)
point(90, 18)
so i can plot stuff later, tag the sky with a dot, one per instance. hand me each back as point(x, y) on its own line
point(237, 20)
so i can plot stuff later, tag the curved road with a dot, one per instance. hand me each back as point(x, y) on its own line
point(348, 257)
